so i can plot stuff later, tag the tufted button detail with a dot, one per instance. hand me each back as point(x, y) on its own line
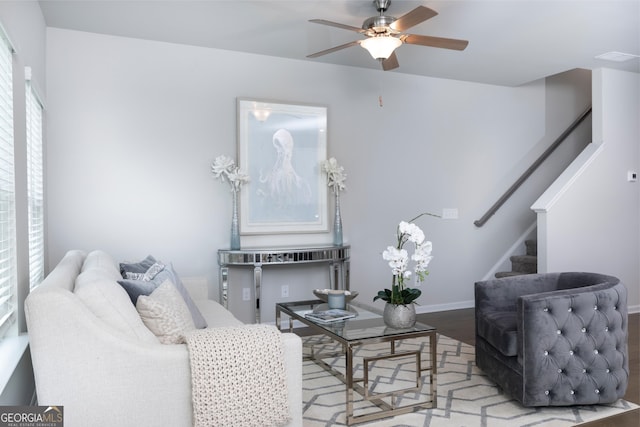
point(608, 370)
point(546, 392)
point(606, 329)
point(545, 309)
point(571, 352)
point(595, 307)
point(570, 309)
point(584, 330)
point(584, 371)
point(572, 392)
point(597, 391)
point(559, 332)
point(595, 351)
point(559, 371)
point(546, 353)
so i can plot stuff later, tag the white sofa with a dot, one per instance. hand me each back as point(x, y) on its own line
point(93, 354)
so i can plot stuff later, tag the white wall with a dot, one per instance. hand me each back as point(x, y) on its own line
point(134, 125)
point(590, 219)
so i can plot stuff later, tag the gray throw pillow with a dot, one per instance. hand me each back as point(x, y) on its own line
point(136, 288)
point(169, 273)
point(137, 267)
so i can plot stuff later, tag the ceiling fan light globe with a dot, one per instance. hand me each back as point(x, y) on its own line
point(381, 47)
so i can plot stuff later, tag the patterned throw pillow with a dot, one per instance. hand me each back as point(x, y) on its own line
point(166, 314)
point(148, 275)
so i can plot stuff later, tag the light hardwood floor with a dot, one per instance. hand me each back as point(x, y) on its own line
point(460, 324)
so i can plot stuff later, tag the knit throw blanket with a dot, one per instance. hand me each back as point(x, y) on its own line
point(238, 376)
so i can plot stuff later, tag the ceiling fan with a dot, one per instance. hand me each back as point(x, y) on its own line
point(386, 33)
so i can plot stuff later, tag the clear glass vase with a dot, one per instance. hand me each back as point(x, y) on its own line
point(337, 222)
point(235, 227)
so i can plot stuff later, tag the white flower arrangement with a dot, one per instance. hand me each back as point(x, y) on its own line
point(225, 169)
point(398, 259)
point(335, 174)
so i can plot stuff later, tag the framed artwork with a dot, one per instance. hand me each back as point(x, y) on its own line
point(281, 146)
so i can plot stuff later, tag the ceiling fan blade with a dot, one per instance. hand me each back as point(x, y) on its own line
point(440, 42)
point(390, 63)
point(337, 25)
point(333, 49)
point(416, 16)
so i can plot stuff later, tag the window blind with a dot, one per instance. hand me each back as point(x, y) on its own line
point(7, 192)
point(35, 190)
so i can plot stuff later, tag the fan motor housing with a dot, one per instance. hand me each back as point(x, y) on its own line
point(381, 5)
point(379, 24)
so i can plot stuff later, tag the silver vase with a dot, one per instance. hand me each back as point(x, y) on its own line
point(337, 221)
point(399, 316)
point(235, 228)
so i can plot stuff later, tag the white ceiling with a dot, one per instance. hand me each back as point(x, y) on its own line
point(511, 42)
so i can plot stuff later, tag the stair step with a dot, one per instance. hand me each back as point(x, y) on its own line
point(501, 274)
point(524, 263)
point(532, 247)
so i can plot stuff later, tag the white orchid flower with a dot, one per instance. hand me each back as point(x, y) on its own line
point(398, 257)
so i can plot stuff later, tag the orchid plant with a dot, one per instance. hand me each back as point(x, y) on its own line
point(335, 175)
point(225, 169)
point(398, 259)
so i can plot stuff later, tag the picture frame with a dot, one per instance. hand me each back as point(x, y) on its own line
point(281, 147)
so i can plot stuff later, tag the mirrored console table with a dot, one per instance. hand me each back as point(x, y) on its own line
point(337, 257)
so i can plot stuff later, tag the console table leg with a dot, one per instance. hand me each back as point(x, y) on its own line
point(346, 264)
point(224, 286)
point(257, 282)
point(333, 283)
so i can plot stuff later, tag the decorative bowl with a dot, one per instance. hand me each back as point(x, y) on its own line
point(323, 294)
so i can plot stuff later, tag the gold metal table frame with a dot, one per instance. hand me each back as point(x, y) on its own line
point(368, 328)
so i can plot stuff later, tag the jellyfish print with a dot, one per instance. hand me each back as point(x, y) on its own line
point(282, 187)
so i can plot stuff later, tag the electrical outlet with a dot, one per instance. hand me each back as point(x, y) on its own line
point(284, 291)
point(246, 294)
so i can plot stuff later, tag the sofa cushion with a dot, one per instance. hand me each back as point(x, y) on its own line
point(100, 260)
point(166, 314)
point(499, 328)
point(110, 303)
point(216, 315)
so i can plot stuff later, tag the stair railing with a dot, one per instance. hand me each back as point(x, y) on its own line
point(507, 194)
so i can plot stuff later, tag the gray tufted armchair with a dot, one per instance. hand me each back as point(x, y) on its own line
point(554, 339)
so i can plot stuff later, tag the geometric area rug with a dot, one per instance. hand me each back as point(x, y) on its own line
point(466, 398)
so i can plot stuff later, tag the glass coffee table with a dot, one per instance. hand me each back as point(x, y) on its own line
point(366, 329)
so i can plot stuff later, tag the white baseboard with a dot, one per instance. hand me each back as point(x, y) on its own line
point(633, 309)
point(421, 309)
